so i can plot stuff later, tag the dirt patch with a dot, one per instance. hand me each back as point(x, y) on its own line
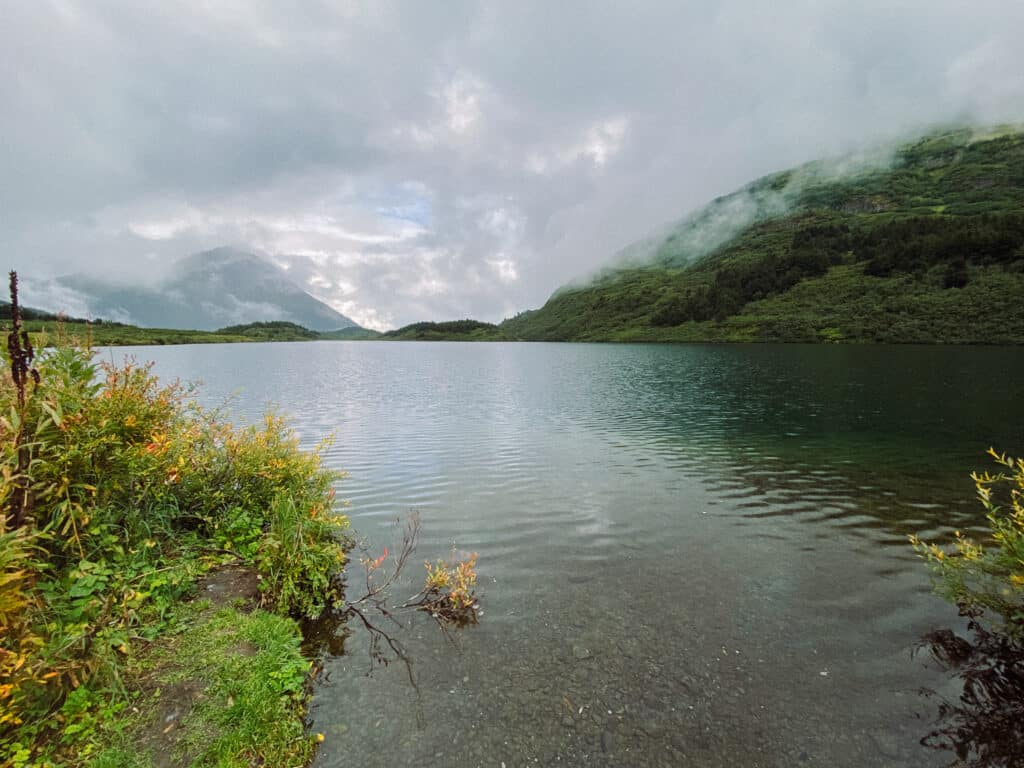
point(227, 585)
point(172, 702)
point(175, 702)
point(245, 649)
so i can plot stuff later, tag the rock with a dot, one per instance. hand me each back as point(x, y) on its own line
point(886, 743)
point(568, 722)
point(580, 653)
point(607, 741)
point(652, 728)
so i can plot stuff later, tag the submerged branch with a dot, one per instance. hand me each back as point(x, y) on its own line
point(447, 597)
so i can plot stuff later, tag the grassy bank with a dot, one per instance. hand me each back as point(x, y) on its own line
point(46, 328)
point(123, 503)
point(106, 334)
point(117, 335)
point(225, 687)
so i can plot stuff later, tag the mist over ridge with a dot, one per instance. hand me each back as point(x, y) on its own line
point(205, 291)
point(708, 227)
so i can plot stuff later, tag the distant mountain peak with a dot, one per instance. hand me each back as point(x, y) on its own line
point(209, 290)
point(225, 258)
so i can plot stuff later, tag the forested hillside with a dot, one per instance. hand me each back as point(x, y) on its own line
point(929, 248)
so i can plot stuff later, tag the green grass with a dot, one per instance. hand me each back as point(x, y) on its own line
point(114, 334)
point(246, 675)
point(104, 333)
point(846, 306)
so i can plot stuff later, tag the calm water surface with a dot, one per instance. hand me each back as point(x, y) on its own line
point(689, 555)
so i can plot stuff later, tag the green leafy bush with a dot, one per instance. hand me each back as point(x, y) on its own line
point(19, 664)
point(988, 579)
point(299, 561)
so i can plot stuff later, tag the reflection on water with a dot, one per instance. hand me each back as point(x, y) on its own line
point(689, 554)
point(984, 725)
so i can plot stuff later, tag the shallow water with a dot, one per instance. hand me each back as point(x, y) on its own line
point(689, 555)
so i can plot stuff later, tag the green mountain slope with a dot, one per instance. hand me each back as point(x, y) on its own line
point(928, 247)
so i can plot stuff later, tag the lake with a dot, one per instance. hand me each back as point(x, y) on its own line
point(688, 555)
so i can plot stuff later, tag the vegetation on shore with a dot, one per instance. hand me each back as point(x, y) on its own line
point(275, 330)
point(119, 494)
point(104, 333)
point(352, 333)
point(454, 330)
point(107, 334)
point(988, 579)
point(984, 726)
point(153, 562)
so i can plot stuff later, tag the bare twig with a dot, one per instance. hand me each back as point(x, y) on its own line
point(448, 606)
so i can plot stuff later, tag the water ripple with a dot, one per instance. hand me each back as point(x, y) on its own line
point(707, 542)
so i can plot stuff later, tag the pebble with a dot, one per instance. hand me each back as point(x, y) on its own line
point(886, 743)
point(607, 741)
point(652, 728)
point(580, 653)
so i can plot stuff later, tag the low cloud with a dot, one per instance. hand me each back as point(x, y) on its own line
point(47, 294)
point(408, 161)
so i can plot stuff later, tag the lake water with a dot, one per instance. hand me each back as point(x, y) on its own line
point(689, 555)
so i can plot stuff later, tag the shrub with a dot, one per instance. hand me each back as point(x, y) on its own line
point(19, 645)
point(988, 578)
point(449, 591)
point(126, 491)
point(298, 559)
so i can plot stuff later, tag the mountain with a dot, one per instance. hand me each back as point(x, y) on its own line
point(206, 291)
point(924, 244)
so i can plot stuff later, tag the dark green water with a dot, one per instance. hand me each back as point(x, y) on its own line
point(689, 555)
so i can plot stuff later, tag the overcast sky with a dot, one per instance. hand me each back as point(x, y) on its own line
point(434, 160)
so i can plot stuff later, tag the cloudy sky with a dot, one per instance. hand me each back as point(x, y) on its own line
point(433, 160)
